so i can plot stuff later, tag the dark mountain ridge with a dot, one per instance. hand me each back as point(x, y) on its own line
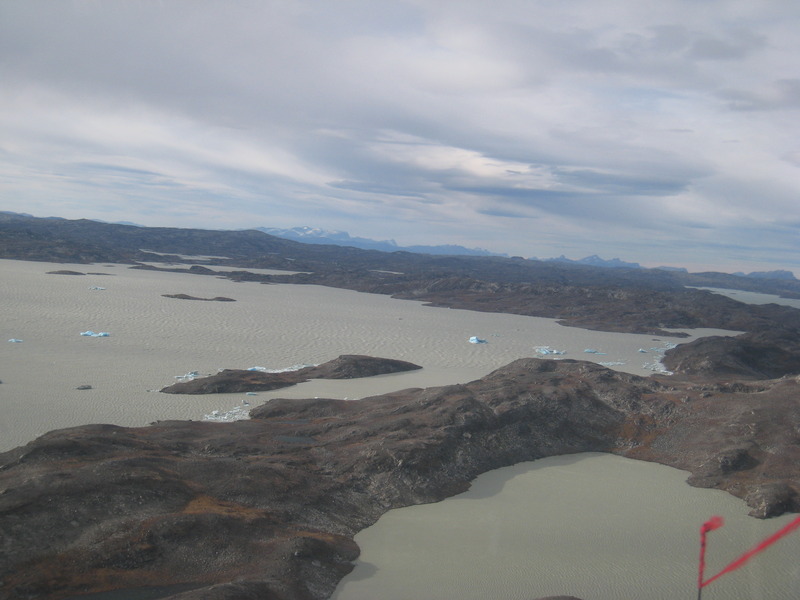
point(624, 300)
point(85, 241)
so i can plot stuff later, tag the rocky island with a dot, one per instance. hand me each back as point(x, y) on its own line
point(347, 366)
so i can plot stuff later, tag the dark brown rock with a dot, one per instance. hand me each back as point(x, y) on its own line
point(765, 354)
point(267, 507)
point(347, 366)
point(188, 297)
point(65, 272)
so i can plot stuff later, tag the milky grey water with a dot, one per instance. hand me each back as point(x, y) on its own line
point(754, 297)
point(54, 377)
point(596, 526)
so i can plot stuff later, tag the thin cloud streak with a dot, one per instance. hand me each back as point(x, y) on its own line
point(664, 133)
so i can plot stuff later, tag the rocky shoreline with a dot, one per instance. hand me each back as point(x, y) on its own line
point(346, 366)
point(267, 508)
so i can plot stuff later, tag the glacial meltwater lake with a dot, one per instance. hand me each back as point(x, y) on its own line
point(595, 526)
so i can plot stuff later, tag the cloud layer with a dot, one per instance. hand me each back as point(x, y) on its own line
point(663, 132)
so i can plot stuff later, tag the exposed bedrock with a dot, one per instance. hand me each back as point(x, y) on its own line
point(267, 508)
point(763, 354)
point(346, 366)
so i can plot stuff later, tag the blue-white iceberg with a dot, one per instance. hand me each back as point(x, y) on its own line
point(548, 351)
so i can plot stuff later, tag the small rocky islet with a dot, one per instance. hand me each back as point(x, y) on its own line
point(346, 366)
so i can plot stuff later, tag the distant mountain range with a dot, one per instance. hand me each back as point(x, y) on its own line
point(596, 261)
point(314, 235)
point(779, 274)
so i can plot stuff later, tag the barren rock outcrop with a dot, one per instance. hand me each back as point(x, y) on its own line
point(346, 366)
point(267, 508)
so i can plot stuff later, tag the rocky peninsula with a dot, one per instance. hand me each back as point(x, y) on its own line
point(346, 366)
point(267, 508)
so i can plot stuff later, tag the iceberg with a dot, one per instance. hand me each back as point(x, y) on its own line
point(15, 341)
point(237, 413)
point(188, 376)
point(476, 340)
point(548, 351)
point(593, 351)
point(91, 333)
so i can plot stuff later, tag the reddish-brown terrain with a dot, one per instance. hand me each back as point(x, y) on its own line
point(267, 508)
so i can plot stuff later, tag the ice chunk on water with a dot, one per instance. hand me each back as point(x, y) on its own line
point(91, 333)
point(237, 413)
point(188, 376)
point(548, 351)
point(476, 340)
point(15, 341)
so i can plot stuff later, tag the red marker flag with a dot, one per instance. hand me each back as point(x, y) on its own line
point(710, 525)
point(716, 523)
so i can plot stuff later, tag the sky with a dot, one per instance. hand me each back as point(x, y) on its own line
point(665, 132)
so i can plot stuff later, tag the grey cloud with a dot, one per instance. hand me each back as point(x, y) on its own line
point(682, 41)
point(783, 94)
point(505, 213)
point(529, 196)
point(278, 111)
point(376, 188)
point(623, 183)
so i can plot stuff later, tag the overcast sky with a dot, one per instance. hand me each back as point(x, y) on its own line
point(665, 132)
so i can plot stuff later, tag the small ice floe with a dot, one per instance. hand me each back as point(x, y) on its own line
point(593, 351)
point(91, 333)
point(548, 351)
point(188, 376)
point(613, 363)
point(284, 370)
point(292, 368)
point(642, 350)
point(250, 394)
point(237, 413)
point(476, 340)
point(657, 367)
point(15, 341)
point(96, 287)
